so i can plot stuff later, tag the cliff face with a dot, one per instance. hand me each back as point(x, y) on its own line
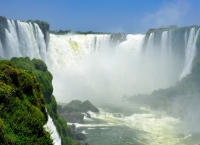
point(22, 107)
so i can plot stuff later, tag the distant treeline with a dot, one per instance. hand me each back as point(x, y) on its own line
point(77, 32)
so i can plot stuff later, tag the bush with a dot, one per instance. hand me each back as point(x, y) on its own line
point(22, 107)
point(43, 76)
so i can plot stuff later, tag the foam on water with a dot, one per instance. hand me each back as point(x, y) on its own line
point(151, 127)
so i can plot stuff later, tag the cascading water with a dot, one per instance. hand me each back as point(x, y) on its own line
point(87, 69)
point(41, 43)
point(13, 37)
point(190, 52)
point(133, 44)
point(22, 40)
point(1, 50)
point(66, 50)
point(10, 49)
point(50, 127)
point(170, 45)
point(164, 46)
point(102, 42)
point(26, 40)
point(150, 46)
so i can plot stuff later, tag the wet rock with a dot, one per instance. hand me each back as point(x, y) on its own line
point(71, 130)
point(80, 136)
point(87, 115)
point(73, 117)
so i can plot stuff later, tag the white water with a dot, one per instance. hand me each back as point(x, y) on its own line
point(41, 43)
point(50, 127)
point(13, 37)
point(149, 127)
point(1, 50)
point(170, 45)
point(150, 46)
point(24, 43)
point(190, 52)
point(28, 42)
point(164, 47)
point(104, 74)
point(67, 50)
point(133, 44)
point(90, 70)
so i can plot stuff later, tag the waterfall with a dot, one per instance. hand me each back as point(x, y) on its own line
point(1, 51)
point(50, 127)
point(170, 45)
point(150, 46)
point(23, 40)
point(90, 43)
point(190, 52)
point(67, 50)
point(185, 39)
point(41, 43)
point(27, 40)
point(164, 46)
point(133, 44)
point(13, 37)
point(167, 50)
point(102, 42)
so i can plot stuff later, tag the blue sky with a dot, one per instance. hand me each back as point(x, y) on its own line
point(130, 16)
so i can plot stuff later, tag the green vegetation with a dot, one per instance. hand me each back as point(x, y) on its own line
point(22, 107)
point(44, 77)
point(61, 32)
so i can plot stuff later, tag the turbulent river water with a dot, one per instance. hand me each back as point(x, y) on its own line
point(134, 125)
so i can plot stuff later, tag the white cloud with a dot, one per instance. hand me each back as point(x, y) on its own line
point(168, 14)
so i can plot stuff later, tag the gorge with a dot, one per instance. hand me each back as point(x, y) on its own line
point(105, 68)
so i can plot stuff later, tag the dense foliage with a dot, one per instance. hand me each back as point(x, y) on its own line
point(76, 32)
point(44, 77)
point(22, 107)
point(60, 32)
